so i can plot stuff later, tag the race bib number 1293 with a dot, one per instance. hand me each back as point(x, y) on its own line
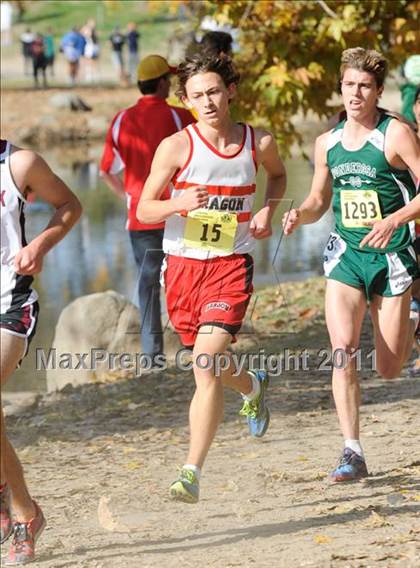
point(359, 207)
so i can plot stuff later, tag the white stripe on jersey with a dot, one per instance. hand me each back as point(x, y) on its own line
point(118, 163)
point(177, 120)
point(406, 196)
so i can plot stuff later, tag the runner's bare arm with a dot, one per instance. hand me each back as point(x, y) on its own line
point(170, 156)
point(32, 174)
point(267, 155)
point(403, 146)
point(382, 231)
point(319, 198)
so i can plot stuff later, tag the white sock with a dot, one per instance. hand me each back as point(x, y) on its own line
point(355, 446)
point(194, 468)
point(256, 388)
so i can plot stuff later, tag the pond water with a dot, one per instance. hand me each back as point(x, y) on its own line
point(97, 256)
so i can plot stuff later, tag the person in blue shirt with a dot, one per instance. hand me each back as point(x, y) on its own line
point(73, 47)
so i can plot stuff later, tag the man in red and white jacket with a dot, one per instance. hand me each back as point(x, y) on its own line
point(131, 142)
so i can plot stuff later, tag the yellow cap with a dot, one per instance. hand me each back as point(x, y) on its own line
point(152, 67)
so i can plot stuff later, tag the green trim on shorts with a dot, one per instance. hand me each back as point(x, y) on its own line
point(376, 273)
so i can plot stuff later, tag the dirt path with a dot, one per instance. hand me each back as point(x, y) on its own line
point(100, 460)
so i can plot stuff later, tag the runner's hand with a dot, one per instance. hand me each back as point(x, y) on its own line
point(28, 262)
point(260, 227)
point(381, 233)
point(291, 221)
point(193, 198)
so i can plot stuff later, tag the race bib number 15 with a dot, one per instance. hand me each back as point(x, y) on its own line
point(210, 230)
point(358, 207)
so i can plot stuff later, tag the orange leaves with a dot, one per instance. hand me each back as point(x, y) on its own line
point(290, 52)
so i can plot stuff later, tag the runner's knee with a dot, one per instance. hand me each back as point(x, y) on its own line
point(342, 346)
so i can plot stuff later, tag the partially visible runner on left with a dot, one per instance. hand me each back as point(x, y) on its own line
point(23, 172)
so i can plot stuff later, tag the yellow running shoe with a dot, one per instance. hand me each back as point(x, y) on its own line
point(186, 488)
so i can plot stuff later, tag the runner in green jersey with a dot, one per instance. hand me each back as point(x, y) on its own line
point(362, 166)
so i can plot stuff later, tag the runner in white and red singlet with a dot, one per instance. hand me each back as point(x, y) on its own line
point(209, 234)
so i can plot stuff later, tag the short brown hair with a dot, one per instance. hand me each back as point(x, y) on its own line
point(367, 60)
point(205, 63)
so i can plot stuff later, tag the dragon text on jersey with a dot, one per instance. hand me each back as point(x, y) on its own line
point(227, 203)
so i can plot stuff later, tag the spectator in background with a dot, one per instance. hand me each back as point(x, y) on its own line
point(411, 75)
point(414, 371)
point(117, 40)
point(130, 145)
point(91, 52)
point(416, 109)
point(6, 20)
point(73, 47)
point(133, 37)
point(39, 61)
point(26, 40)
point(212, 43)
point(49, 50)
point(217, 43)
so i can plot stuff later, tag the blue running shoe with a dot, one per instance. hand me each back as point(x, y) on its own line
point(256, 411)
point(415, 305)
point(351, 467)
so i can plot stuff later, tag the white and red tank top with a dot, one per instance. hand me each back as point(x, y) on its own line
point(230, 182)
point(16, 290)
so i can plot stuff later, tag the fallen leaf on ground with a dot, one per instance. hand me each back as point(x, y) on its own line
point(375, 521)
point(129, 450)
point(133, 465)
point(322, 539)
point(308, 313)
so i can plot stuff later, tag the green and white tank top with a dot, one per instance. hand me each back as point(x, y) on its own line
point(367, 188)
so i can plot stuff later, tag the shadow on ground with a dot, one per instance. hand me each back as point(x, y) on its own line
point(160, 401)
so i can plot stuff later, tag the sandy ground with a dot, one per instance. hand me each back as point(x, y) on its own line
point(100, 458)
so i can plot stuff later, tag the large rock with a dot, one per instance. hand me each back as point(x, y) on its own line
point(97, 339)
point(68, 101)
point(16, 403)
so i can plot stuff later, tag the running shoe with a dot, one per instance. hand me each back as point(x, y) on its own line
point(186, 488)
point(415, 315)
point(414, 370)
point(351, 467)
point(6, 526)
point(25, 535)
point(256, 411)
point(415, 306)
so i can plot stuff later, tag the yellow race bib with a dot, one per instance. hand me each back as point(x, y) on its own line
point(359, 207)
point(211, 230)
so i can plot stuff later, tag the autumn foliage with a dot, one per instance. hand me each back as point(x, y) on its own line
point(290, 51)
